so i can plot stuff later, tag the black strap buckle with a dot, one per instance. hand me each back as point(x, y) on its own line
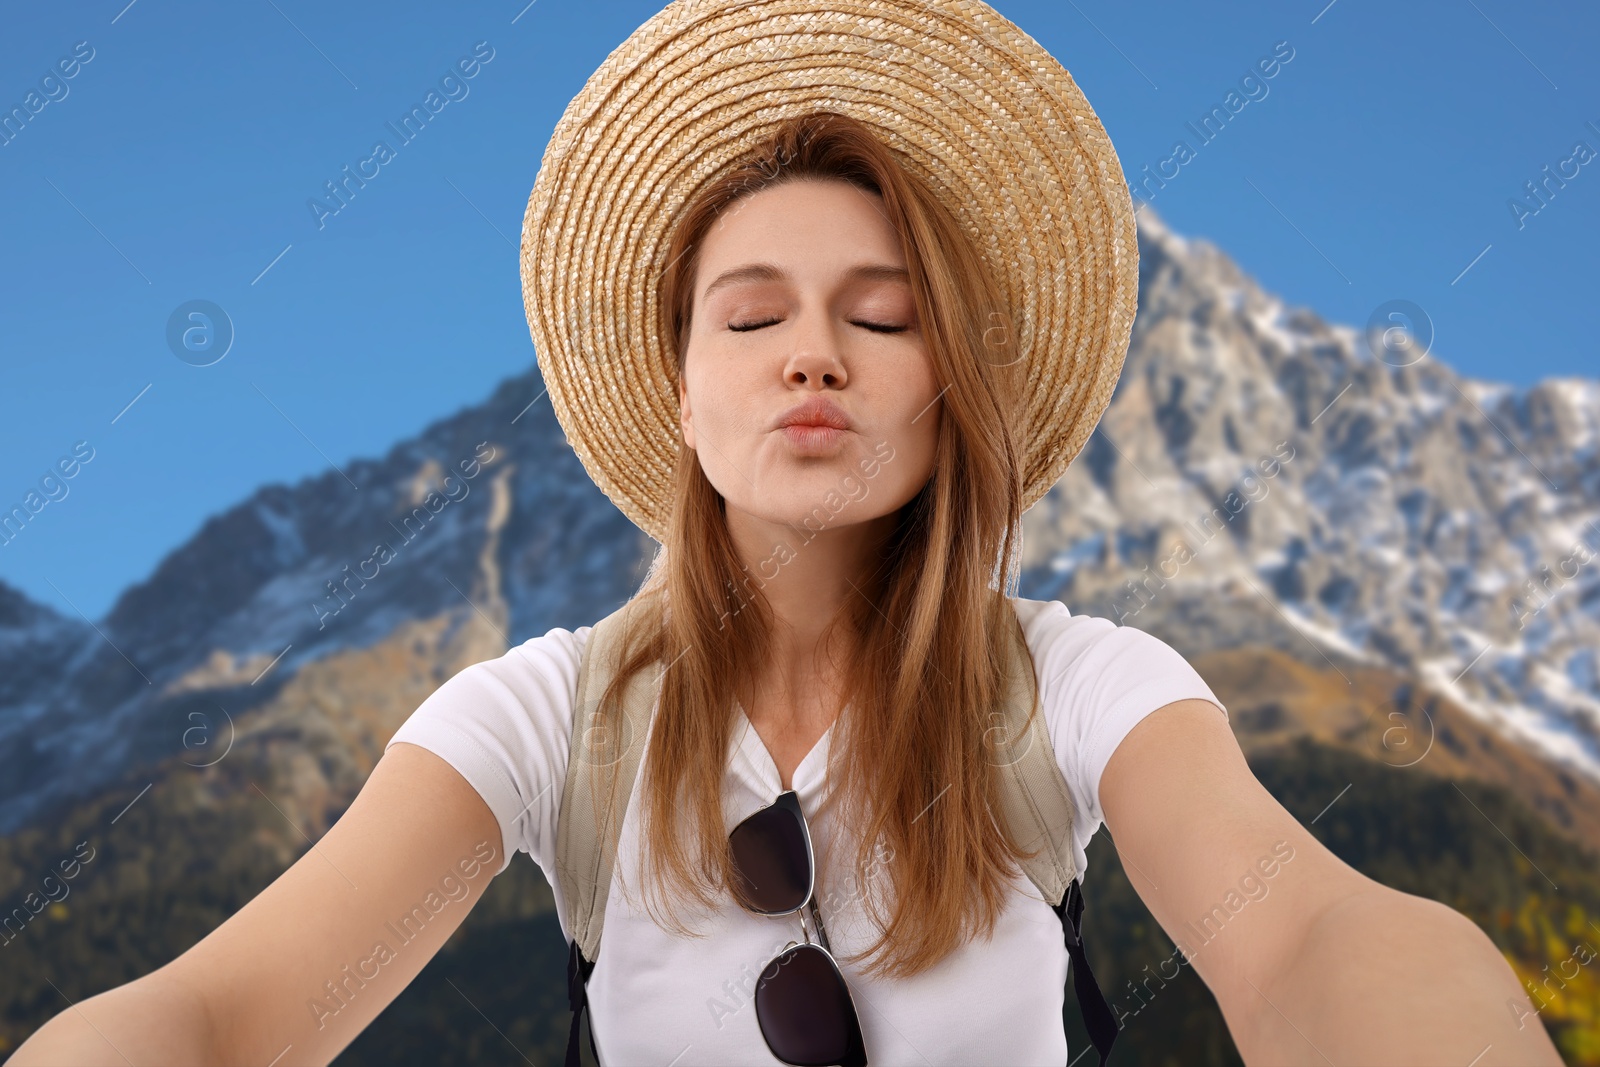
point(578, 971)
point(1097, 1015)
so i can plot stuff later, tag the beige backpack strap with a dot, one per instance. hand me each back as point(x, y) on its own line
point(1037, 806)
point(1040, 812)
point(602, 764)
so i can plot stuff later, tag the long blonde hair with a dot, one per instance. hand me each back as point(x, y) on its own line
point(927, 657)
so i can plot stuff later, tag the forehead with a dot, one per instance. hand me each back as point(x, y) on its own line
point(809, 228)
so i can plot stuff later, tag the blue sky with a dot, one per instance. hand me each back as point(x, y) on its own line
point(175, 165)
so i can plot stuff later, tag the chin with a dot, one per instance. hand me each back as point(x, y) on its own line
point(822, 512)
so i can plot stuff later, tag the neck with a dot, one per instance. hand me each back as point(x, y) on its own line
point(808, 577)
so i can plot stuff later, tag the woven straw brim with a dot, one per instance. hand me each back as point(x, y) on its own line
point(968, 102)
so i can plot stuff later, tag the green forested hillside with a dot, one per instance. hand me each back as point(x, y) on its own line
point(1414, 832)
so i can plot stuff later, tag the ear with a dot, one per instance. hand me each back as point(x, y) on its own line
point(685, 419)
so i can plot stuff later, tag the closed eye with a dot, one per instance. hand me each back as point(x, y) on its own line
point(741, 327)
point(876, 327)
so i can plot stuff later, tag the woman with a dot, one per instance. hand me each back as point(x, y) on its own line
point(862, 405)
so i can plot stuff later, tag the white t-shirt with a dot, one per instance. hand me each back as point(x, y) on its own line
point(657, 998)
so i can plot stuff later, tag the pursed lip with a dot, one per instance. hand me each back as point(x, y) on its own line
point(815, 411)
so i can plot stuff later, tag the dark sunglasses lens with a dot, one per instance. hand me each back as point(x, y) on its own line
point(805, 1010)
point(769, 849)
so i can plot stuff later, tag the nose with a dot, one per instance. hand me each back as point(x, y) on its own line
point(816, 359)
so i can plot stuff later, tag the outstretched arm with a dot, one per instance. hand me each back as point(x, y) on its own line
point(1311, 961)
point(300, 970)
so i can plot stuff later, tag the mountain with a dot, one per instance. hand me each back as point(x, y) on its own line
point(483, 529)
point(1387, 572)
point(1262, 478)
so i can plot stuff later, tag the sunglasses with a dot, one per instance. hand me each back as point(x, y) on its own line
point(802, 1003)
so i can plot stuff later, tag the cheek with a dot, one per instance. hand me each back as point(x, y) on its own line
point(713, 373)
point(722, 410)
point(908, 448)
point(719, 407)
point(698, 394)
point(923, 399)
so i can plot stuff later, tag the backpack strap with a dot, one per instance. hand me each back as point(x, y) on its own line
point(601, 763)
point(1097, 1015)
point(1035, 803)
point(1033, 795)
point(1039, 810)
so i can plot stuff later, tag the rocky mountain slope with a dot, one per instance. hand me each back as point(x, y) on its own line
point(1262, 477)
point(481, 531)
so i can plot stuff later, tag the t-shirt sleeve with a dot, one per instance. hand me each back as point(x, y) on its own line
point(1096, 681)
point(505, 725)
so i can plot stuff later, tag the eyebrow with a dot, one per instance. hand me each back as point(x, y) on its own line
point(770, 272)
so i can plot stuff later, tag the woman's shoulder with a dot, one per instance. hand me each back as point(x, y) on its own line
point(532, 667)
point(501, 702)
point(505, 724)
point(1097, 680)
point(1086, 660)
point(1048, 623)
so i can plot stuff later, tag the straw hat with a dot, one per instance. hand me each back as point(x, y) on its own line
point(967, 101)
